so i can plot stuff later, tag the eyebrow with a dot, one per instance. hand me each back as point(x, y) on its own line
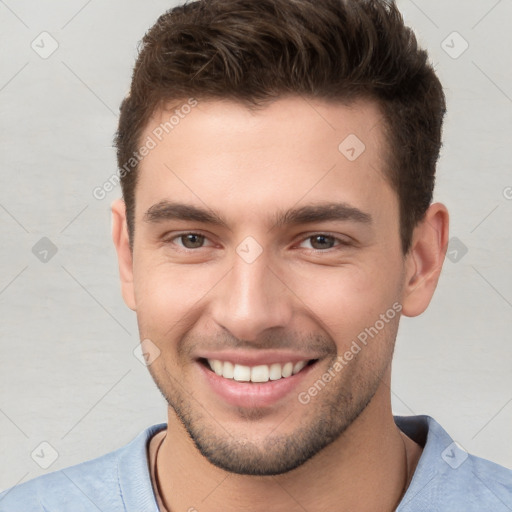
point(320, 213)
point(167, 210)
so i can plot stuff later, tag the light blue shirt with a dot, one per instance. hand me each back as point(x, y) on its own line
point(446, 479)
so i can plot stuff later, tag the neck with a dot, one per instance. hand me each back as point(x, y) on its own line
point(367, 468)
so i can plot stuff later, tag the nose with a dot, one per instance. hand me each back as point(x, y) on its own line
point(252, 298)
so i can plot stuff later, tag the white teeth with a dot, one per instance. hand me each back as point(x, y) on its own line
point(227, 369)
point(287, 370)
point(242, 373)
point(217, 366)
point(298, 366)
point(260, 373)
point(275, 371)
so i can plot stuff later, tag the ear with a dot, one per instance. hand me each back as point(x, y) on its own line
point(124, 253)
point(425, 260)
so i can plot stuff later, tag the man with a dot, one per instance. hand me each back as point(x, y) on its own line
point(277, 160)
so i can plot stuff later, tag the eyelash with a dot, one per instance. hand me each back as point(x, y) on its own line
point(340, 242)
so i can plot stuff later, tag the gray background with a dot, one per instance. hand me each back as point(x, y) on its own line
point(68, 375)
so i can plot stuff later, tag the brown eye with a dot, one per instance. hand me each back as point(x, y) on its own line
point(320, 242)
point(191, 240)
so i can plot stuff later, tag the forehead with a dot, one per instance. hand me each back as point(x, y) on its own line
point(222, 155)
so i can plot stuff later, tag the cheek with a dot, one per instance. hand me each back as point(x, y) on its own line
point(347, 300)
point(167, 296)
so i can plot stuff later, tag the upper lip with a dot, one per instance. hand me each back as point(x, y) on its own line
point(257, 357)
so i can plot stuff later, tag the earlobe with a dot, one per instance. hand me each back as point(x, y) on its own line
point(425, 259)
point(124, 254)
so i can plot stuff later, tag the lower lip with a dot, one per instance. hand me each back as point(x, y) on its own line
point(252, 394)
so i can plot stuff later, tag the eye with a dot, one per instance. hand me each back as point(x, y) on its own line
point(189, 240)
point(323, 241)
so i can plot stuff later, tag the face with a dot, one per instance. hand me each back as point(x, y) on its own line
point(267, 243)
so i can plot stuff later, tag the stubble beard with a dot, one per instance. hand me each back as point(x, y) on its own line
point(337, 406)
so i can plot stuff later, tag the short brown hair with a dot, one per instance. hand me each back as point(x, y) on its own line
point(254, 51)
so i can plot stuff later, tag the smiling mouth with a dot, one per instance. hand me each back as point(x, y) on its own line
point(257, 374)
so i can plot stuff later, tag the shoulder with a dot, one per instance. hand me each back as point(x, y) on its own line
point(72, 486)
point(97, 484)
point(448, 478)
point(475, 485)
point(487, 483)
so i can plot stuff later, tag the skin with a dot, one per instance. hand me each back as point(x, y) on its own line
point(247, 167)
